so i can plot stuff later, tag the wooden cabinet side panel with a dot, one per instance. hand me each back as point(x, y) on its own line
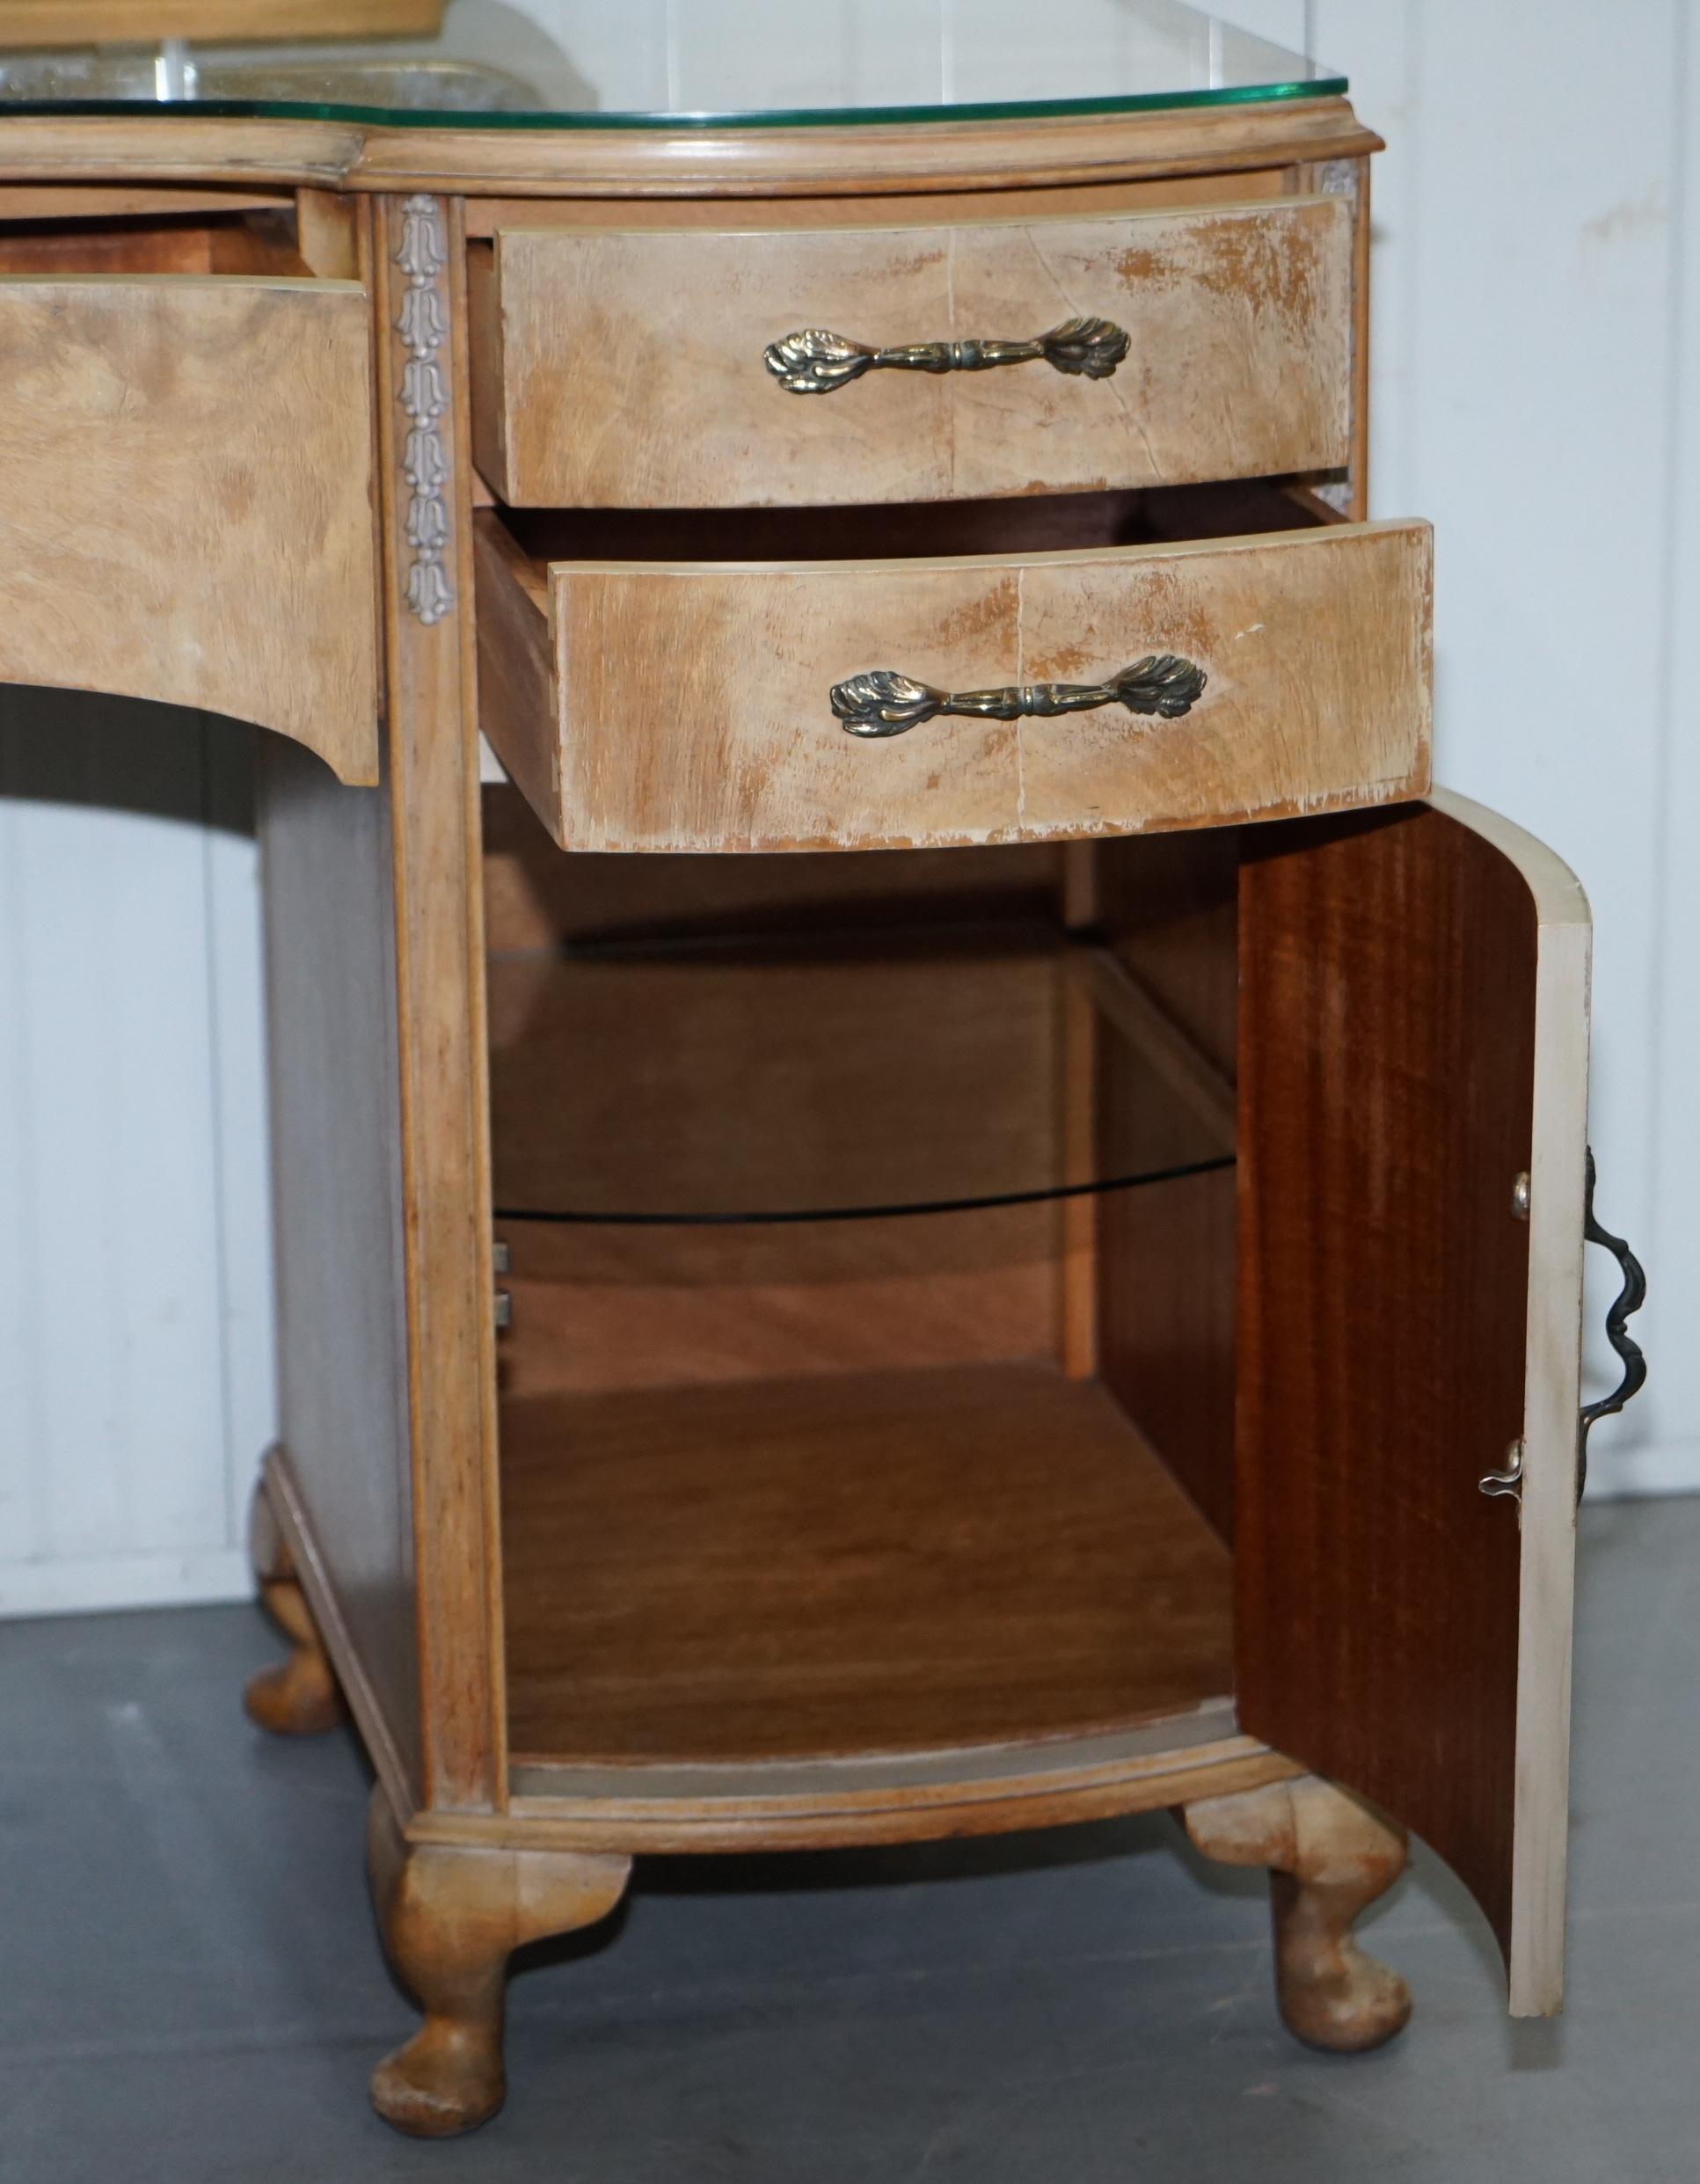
point(1165, 1257)
point(1166, 1263)
point(187, 514)
point(337, 1184)
point(1388, 976)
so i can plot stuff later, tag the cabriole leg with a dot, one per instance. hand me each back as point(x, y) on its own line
point(1329, 1855)
point(300, 1696)
point(451, 1915)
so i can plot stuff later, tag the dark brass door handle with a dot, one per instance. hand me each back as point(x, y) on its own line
point(1629, 1299)
point(884, 703)
point(815, 362)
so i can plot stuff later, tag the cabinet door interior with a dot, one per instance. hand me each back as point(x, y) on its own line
point(1413, 1040)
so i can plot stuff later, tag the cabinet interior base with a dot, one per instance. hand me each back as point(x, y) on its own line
point(879, 1563)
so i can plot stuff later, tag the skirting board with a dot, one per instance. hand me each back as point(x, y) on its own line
point(91, 1584)
point(1627, 1474)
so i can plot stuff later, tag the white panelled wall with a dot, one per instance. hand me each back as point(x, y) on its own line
point(135, 1352)
point(1538, 396)
point(1537, 391)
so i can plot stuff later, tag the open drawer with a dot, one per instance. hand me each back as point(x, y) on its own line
point(715, 684)
point(187, 422)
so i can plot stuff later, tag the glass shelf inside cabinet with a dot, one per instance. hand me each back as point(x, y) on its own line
point(690, 64)
point(836, 1077)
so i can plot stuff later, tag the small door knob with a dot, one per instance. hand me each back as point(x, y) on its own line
point(1507, 1483)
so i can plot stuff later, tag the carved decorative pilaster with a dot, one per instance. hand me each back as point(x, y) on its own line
point(423, 326)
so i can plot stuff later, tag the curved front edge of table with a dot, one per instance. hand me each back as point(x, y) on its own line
point(188, 512)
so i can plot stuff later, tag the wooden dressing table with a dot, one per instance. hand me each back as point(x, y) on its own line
point(960, 1206)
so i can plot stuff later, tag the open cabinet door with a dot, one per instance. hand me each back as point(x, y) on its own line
point(1414, 1039)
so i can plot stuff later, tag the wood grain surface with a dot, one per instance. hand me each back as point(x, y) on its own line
point(1169, 913)
point(1328, 1857)
point(450, 1282)
point(64, 233)
point(903, 1797)
point(1394, 998)
point(899, 157)
point(60, 201)
point(604, 1308)
point(188, 512)
point(1167, 1255)
point(337, 1211)
point(535, 899)
point(784, 1072)
point(451, 1915)
point(598, 1309)
point(1011, 202)
point(689, 701)
point(145, 22)
point(299, 1695)
point(778, 1075)
point(485, 216)
point(884, 1562)
point(626, 368)
point(1551, 1394)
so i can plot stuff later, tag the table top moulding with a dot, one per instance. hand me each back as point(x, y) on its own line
point(523, 108)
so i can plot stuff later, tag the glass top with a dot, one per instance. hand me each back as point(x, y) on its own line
point(673, 63)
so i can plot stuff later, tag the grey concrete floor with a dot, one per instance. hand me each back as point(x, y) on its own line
point(190, 1988)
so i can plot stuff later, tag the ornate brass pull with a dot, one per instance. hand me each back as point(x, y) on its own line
point(884, 703)
point(814, 362)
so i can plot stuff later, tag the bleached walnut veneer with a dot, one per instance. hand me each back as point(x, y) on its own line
point(959, 1206)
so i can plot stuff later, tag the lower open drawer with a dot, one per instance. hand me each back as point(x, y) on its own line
point(1019, 671)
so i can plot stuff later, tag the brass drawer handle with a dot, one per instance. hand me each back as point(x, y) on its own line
point(884, 703)
point(814, 362)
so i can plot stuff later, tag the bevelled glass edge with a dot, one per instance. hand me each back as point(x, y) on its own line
point(808, 117)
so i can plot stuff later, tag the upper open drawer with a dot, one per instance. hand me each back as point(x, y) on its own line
point(619, 369)
point(759, 701)
point(188, 513)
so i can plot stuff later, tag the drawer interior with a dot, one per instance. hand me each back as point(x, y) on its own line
point(1034, 523)
point(248, 241)
point(855, 1399)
